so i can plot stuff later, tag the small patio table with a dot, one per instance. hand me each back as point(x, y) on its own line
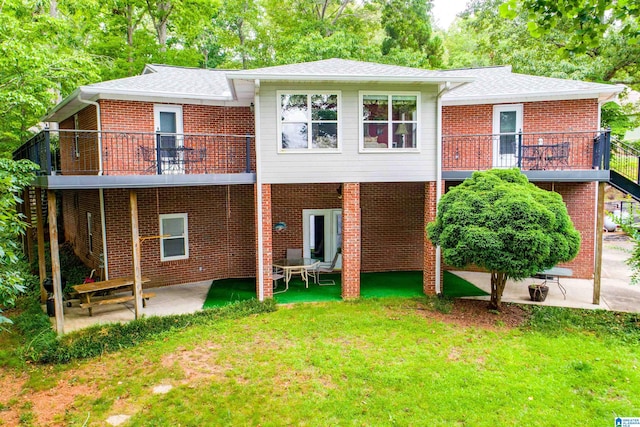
point(301, 266)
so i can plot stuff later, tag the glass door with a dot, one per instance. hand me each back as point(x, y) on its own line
point(322, 234)
point(168, 124)
point(507, 122)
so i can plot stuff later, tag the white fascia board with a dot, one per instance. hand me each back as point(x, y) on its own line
point(505, 99)
point(111, 93)
point(348, 78)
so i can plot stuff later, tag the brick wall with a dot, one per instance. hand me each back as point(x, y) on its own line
point(429, 258)
point(223, 155)
point(267, 243)
point(287, 203)
point(86, 159)
point(220, 225)
point(75, 205)
point(392, 226)
point(471, 153)
point(580, 199)
point(351, 248)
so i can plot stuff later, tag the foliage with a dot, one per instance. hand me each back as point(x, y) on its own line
point(14, 176)
point(592, 19)
point(623, 327)
point(627, 224)
point(45, 347)
point(39, 62)
point(483, 37)
point(499, 221)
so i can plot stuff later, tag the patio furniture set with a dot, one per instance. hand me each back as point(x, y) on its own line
point(295, 264)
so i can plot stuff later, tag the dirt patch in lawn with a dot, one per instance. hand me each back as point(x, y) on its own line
point(476, 313)
point(47, 406)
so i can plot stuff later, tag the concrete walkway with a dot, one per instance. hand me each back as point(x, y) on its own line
point(616, 292)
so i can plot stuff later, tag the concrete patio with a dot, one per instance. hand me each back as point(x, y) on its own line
point(616, 292)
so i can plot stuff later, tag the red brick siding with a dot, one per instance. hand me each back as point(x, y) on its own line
point(429, 259)
point(392, 226)
point(221, 232)
point(351, 249)
point(288, 201)
point(267, 243)
point(580, 199)
point(88, 160)
point(75, 205)
point(223, 155)
point(548, 116)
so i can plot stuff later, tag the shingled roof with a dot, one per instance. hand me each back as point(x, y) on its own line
point(500, 84)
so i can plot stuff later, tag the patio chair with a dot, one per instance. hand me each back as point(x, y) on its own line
point(325, 270)
point(276, 275)
point(294, 253)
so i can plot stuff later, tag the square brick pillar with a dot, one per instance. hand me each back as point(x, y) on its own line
point(429, 261)
point(267, 242)
point(351, 251)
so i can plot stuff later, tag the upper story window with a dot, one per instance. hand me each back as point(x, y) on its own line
point(389, 121)
point(309, 120)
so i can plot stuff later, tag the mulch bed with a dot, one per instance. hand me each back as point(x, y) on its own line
point(476, 313)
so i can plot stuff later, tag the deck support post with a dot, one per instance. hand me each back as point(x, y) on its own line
point(135, 244)
point(42, 264)
point(55, 262)
point(597, 273)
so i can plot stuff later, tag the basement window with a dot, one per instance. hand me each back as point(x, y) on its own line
point(175, 245)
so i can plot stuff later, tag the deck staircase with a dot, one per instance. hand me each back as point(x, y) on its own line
point(625, 169)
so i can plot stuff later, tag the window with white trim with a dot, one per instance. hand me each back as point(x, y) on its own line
point(175, 244)
point(90, 232)
point(389, 120)
point(308, 120)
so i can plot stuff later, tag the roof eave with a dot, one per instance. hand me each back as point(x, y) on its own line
point(349, 78)
point(602, 96)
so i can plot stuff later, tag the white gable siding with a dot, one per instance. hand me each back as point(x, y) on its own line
point(348, 164)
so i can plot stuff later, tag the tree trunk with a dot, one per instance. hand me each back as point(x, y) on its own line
point(498, 282)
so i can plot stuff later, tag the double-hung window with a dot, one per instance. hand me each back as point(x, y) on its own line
point(309, 120)
point(389, 121)
point(175, 243)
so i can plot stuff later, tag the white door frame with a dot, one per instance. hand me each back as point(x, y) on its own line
point(170, 166)
point(330, 233)
point(505, 160)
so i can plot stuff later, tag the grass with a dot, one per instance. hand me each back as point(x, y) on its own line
point(370, 362)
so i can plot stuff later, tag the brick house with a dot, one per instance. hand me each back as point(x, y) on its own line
point(340, 154)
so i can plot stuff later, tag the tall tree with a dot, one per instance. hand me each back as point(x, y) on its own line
point(408, 29)
point(499, 221)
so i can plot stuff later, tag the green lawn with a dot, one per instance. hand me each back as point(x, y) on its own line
point(372, 362)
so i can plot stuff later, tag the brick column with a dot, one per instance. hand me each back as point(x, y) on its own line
point(351, 240)
point(429, 261)
point(267, 243)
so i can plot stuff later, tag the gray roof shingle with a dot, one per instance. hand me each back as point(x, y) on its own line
point(496, 83)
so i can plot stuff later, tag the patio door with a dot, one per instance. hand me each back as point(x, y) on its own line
point(507, 122)
point(322, 234)
point(169, 138)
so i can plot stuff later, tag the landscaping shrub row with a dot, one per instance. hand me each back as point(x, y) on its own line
point(46, 347)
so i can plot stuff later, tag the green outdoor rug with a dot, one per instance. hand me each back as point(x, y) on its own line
point(372, 285)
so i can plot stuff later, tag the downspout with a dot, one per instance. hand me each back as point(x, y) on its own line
point(103, 221)
point(256, 110)
point(447, 87)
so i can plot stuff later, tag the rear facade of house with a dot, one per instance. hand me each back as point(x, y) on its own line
point(231, 168)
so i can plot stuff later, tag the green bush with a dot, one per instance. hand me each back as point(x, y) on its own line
point(72, 269)
point(100, 339)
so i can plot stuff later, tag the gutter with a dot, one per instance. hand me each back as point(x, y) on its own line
point(260, 272)
point(445, 89)
point(103, 220)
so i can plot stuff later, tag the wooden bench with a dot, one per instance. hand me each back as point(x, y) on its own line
point(553, 275)
point(87, 292)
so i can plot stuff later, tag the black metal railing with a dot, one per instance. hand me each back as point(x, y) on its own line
point(625, 159)
point(81, 152)
point(527, 151)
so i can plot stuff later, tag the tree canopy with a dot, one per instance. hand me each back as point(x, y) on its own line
point(14, 176)
point(499, 221)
